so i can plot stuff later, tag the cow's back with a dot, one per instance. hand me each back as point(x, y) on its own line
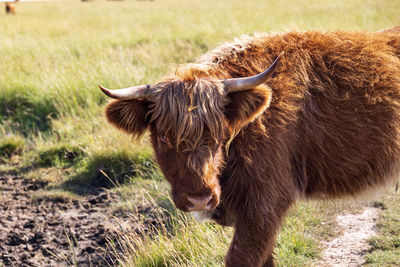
point(335, 109)
point(349, 124)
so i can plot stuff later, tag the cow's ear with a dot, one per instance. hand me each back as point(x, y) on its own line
point(128, 115)
point(245, 106)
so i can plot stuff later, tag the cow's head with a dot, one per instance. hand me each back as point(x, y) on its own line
point(190, 119)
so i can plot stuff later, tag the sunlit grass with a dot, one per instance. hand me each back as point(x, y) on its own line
point(54, 54)
point(386, 245)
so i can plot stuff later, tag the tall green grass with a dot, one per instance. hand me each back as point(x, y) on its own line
point(52, 55)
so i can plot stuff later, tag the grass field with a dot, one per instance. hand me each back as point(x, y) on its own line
point(52, 56)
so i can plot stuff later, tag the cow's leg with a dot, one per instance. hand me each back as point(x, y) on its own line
point(269, 262)
point(251, 244)
point(254, 238)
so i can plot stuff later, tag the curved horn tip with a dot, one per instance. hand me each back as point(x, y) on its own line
point(245, 83)
point(278, 58)
point(104, 90)
point(280, 55)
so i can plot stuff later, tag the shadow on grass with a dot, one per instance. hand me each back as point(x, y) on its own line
point(60, 155)
point(105, 169)
point(26, 114)
point(109, 170)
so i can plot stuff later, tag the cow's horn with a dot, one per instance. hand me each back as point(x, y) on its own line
point(140, 91)
point(240, 84)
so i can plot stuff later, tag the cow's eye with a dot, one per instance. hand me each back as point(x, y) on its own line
point(164, 139)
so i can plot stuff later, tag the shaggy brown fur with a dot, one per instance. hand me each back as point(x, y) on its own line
point(327, 125)
point(10, 8)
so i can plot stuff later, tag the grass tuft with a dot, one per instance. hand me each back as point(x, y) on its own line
point(11, 145)
point(188, 243)
point(111, 168)
point(59, 155)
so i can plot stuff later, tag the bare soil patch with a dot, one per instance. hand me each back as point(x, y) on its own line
point(350, 247)
point(51, 232)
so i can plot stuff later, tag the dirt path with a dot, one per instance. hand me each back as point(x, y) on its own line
point(350, 247)
point(43, 232)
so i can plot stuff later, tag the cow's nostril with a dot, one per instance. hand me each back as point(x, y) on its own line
point(210, 203)
point(189, 204)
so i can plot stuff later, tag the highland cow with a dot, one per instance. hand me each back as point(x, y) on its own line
point(322, 122)
point(10, 8)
